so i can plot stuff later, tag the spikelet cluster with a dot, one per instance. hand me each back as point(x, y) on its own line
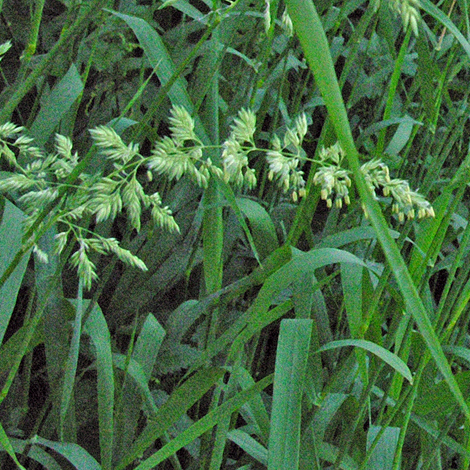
point(286, 21)
point(181, 153)
point(236, 149)
point(409, 12)
point(286, 157)
point(335, 182)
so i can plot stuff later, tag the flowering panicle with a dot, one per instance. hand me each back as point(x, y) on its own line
point(332, 178)
point(122, 190)
point(42, 181)
point(112, 145)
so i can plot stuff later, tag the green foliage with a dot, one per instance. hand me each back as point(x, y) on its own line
point(298, 302)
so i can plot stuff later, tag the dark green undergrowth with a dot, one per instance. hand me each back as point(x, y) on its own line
point(234, 235)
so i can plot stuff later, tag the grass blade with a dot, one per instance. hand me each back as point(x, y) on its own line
point(11, 234)
point(384, 451)
point(262, 226)
point(60, 100)
point(204, 424)
point(75, 454)
point(291, 361)
point(386, 356)
point(249, 445)
point(6, 444)
point(177, 404)
point(98, 331)
point(72, 361)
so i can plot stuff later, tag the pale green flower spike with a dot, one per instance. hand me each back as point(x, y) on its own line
point(182, 126)
point(284, 159)
point(112, 145)
point(286, 24)
point(236, 149)
point(43, 178)
point(409, 12)
point(181, 153)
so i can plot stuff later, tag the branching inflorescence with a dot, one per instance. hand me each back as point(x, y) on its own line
point(40, 180)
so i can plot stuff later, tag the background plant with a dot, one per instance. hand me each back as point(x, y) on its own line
point(293, 309)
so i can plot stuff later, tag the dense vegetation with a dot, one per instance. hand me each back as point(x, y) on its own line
point(234, 235)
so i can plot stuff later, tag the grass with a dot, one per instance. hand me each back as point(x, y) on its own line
point(213, 254)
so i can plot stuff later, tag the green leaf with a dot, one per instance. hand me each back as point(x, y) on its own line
point(249, 445)
point(36, 453)
point(289, 375)
point(59, 101)
point(330, 453)
point(140, 369)
point(71, 364)
point(351, 278)
point(11, 233)
point(352, 235)
point(259, 315)
point(75, 454)
point(98, 331)
point(262, 227)
point(135, 370)
point(254, 411)
point(5, 443)
point(384, 451)
point(204, 424)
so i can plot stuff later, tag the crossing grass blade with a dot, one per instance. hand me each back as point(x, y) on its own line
point(309, 29)
point(71, 364)
point(36, 453)
point(262, 226)
point(391, 359)
point(384, 450)
point(74, 453)
point(176, 406)
point(6, 444)
point(205, 424)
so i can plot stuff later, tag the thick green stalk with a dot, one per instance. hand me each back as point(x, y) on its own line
point(213, 235)
point(309, 28)
point(30, 49)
